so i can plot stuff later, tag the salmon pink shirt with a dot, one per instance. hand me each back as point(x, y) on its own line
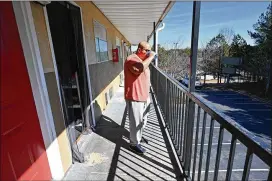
point(136, 86)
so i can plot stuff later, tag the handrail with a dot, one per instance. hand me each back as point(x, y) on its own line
point(173, 89)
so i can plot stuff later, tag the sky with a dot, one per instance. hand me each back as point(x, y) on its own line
point(238, 16)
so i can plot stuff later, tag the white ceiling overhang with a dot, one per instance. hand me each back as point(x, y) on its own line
point(134, 19)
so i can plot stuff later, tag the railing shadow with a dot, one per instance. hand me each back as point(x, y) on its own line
point(151, 166)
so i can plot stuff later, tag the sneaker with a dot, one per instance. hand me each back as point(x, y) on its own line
point(137, 149)
point(144, 140)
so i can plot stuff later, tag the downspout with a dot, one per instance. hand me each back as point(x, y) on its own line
point(156, 43)
point(166, 10)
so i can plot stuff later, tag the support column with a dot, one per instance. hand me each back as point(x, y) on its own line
point(155, 42)
point(154, 37)
point(192, 74)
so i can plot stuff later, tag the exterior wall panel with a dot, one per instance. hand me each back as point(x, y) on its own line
point(51, 83)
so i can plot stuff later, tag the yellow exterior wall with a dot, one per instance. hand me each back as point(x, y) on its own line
point(40, 26)
point(47, 61)
point(91, 13)
point(101, 99)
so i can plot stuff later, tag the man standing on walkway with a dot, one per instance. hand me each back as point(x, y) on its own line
point(137, 83)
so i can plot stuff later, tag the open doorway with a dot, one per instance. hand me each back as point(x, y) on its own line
point(67, 37)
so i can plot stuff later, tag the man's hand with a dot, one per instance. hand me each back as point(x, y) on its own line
point(140, 67)
point(152, 54)
point(148, 60)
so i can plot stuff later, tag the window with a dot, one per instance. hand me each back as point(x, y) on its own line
point(101, 44)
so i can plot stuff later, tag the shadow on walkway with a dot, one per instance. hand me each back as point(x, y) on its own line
point(111, 141)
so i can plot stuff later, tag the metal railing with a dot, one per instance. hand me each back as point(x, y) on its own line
point(173, 102)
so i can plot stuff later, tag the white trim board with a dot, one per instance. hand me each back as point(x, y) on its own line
point(25, 23)
point(87, 70)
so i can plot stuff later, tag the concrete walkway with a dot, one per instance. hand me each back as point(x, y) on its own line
point(109, 158)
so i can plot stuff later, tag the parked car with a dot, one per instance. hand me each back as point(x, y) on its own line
point(185, 81)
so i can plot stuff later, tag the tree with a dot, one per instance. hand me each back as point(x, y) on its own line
point(238, 46)
point(215, 49)
point(262, 35)
point(174, 61)
point(228, 35)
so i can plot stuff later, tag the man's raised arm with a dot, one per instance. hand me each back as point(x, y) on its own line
point(139, 67)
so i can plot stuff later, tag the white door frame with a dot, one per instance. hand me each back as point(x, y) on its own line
point(27, 32)
point(90, 107)
point(87, 67)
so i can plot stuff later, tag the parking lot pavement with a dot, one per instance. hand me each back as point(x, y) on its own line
point(251, 114)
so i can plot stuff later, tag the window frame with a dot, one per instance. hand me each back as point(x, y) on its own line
point(97, 41)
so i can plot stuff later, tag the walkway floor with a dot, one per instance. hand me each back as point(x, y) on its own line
point(109, 158)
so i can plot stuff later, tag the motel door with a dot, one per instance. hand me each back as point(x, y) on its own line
point(23, 153)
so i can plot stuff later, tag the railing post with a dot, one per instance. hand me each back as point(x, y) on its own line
point(155, 41)
point(165, 99)
point(154, 38)
point(239, 76)
point(157, 81)
point(191, 108)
